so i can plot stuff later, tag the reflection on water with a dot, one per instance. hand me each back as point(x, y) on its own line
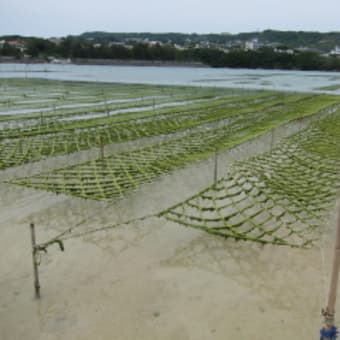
point(165, 279)
point(272, 272)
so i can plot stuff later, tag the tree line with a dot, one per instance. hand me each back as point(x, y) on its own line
point(323, 42)
point(265, 57)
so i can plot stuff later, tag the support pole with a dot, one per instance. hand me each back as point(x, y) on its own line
point(215, 167)
point(107, 108)
point(272, 140)
point(35, 263)
point(102, 155)
point(20, 146)
point(329, 331)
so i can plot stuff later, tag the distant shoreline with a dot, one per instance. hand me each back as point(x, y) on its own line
point(118, 62)
point(104, 62)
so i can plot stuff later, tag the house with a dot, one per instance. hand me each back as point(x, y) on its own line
point(19, 44)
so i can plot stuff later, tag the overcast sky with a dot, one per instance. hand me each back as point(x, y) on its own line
point(48, 18)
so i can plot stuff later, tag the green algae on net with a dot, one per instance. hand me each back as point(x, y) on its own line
point(277, 198)
point(280, 197)
point(264, 111)
point(114, 176)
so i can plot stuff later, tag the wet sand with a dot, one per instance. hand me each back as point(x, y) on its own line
point(151, 279)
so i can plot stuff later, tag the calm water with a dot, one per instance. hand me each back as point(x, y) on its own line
point(239, 78)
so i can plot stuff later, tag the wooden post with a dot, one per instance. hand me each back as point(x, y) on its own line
point(35, 263)
point(215, 167)
point(330, 310)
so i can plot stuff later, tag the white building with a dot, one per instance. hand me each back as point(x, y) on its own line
point(335, 51)
point(252, 44)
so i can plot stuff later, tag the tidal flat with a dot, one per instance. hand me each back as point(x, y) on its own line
point(147, 204)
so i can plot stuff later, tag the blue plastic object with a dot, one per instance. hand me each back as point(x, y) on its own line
point(330, 333)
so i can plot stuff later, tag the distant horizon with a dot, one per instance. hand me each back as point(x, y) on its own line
point(165, 32)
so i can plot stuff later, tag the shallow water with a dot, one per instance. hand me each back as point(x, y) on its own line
point(298, 81)
point(149, 280)
point(134, 109)
point(56, 106)
point(152, 279)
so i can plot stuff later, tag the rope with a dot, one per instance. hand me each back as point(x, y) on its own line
point(59, 239)
point(69, 230)
point(139, 219)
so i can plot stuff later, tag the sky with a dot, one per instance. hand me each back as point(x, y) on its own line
point(56, 18)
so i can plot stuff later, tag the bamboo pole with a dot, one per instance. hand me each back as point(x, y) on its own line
point(272, 140)
point(329, 313)
point(102, 155)
point(35, 263)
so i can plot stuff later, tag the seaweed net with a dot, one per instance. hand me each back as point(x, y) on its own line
point(112, 177)
point(61, 137)
point(280, 197)
point(40, 141)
